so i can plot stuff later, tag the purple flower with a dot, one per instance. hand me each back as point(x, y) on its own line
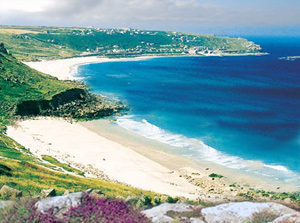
point(91, 210)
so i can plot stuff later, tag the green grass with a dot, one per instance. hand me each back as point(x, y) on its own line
point(66, 167)
point(20, 83)
point(25, 48)
point(12, 150)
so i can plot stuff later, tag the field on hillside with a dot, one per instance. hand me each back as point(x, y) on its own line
point(36, 43)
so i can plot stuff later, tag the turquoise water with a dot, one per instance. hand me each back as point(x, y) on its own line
point(228, 110)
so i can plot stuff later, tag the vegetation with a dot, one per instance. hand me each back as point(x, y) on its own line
point(214, 175)
point(66, 167)
point(23, 48)
point(34, 43)
point(20, 83)
point(90, 210)
point(294, 197)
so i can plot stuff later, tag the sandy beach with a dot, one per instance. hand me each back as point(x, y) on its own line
point(62, 69)
point(75, 144)
point(118, 155)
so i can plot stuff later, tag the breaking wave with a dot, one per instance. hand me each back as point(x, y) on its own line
point(195, 148)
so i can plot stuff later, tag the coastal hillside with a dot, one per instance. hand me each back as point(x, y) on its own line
point(26, 92)
point(36, 43)
point(26, 178)
point(20, 83)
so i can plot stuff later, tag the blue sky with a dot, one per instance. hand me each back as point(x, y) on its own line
point(225, 17)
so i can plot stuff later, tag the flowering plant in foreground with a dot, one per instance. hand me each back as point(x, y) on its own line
point(104, 211)
point(91, 210)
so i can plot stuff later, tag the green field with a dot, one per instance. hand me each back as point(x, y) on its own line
point(20, 83)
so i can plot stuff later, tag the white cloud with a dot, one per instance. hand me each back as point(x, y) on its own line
point(24, 5)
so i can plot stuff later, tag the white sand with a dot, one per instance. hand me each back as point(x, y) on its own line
point(62, 68)
point(60, 138)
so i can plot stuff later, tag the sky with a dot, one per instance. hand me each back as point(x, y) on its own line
point(228, 17)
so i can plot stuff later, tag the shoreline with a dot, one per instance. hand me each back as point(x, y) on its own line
point(78, 146)
point(62, 68)
point(193, 175)
point(124, 157)
point(148, 147)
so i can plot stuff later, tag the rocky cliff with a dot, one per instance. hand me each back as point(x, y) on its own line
point(74, 103)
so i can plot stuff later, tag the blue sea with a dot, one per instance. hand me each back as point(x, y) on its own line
point(227, 110)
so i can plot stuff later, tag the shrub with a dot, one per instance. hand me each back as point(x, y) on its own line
point(171, 200)
point(19, 213)
point(214, 175)
point(157, 200)
point(147, 201)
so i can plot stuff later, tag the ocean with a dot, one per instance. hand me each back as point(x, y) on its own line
point(242, 112)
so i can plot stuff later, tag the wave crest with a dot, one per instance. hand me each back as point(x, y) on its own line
point(197, 149)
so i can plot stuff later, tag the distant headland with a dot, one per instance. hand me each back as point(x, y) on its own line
point(38, 43)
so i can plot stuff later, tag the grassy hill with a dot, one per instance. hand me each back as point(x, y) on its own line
point(20, 83)
point(33, 43)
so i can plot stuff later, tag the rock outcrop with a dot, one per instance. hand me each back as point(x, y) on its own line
point(73, 103)
point(234, 212)
point(6, 204)
point(243, 211)
point(288, 218)
point(48, 193)
point(8, 192)
point(159, 214)
point(178, 212)
point(59, 204)
point(239, 212)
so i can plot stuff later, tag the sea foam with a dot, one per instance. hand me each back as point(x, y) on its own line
point(195, 148)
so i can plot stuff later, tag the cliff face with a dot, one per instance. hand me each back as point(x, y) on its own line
point(37, 107)
point(74, 103)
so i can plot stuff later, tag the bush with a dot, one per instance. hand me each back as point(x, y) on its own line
point(147, 201)
point(171, 200)
point(214, 175)
point(91, 210)
point(19, 213)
